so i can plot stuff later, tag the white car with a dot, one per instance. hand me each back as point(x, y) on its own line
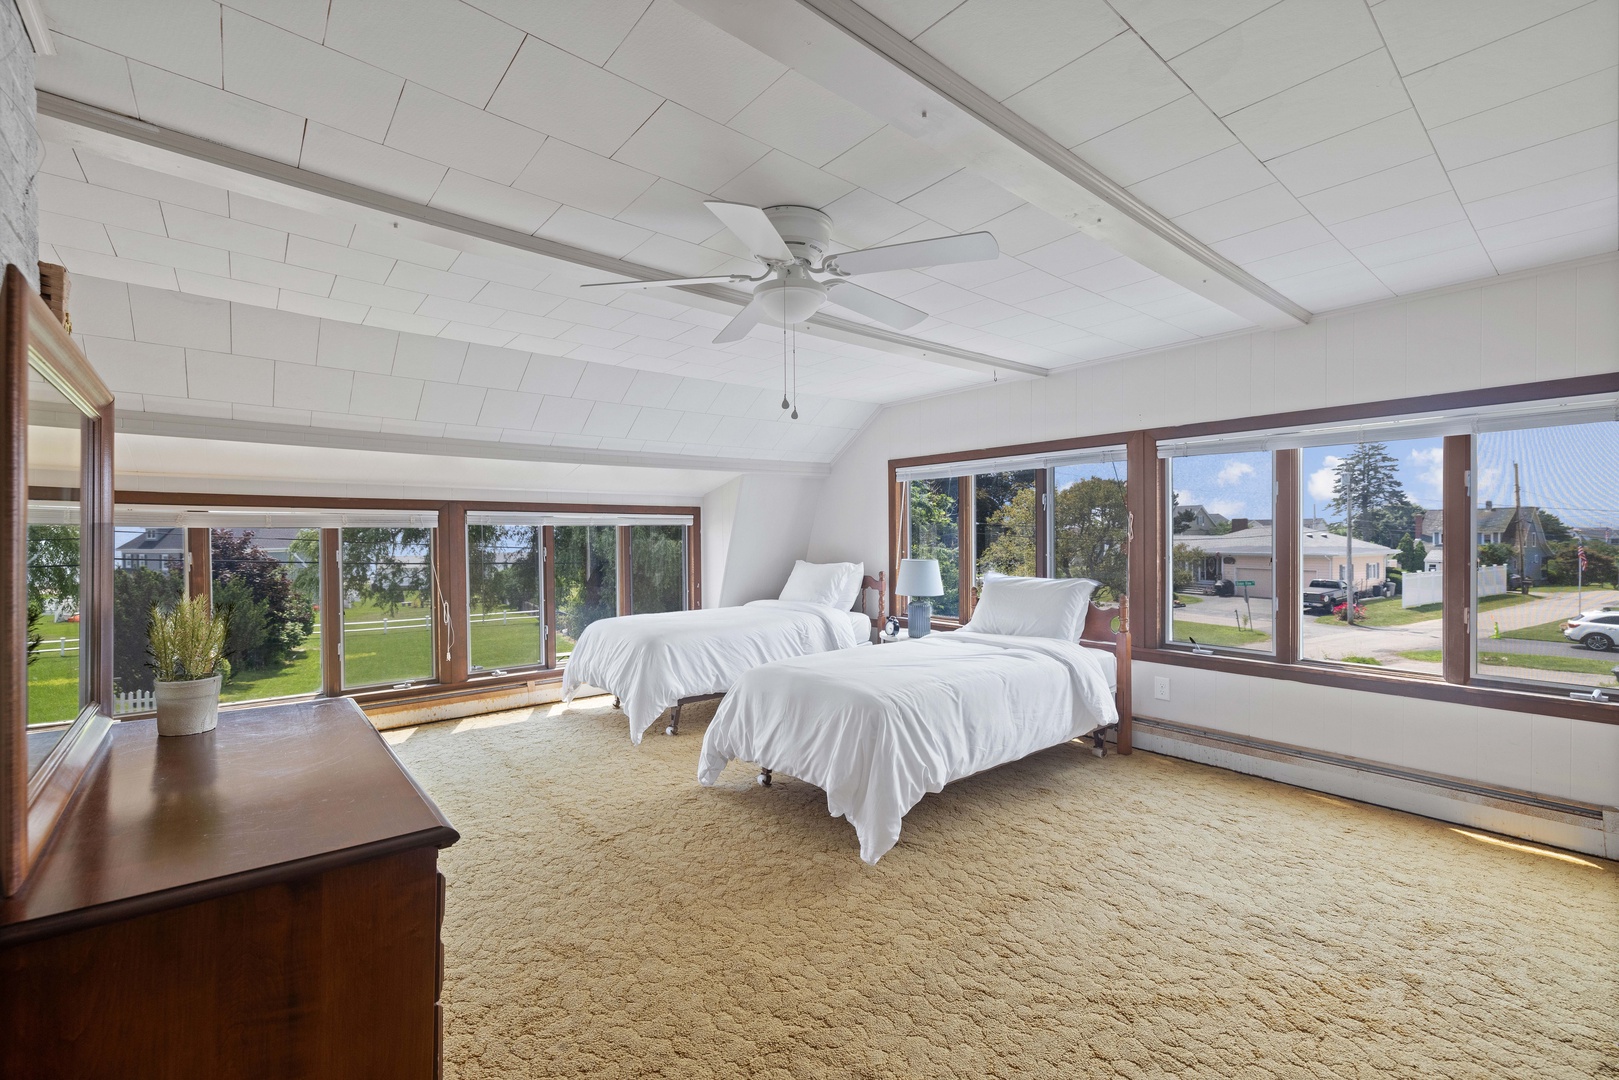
point(1598, 630)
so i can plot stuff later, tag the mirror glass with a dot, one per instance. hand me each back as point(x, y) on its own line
point(54, 639)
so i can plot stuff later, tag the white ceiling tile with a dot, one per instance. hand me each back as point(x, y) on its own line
point(1143, 332)
point(532, 326)
point(1379, 191)
point(598, 339)
point(560, 413)
point(892, 164)
point(181, 37)
point(1149, 291)
point(1546, 55)
point(591, 31)
point(1114, 274)
point(434, 359)
point(593, 232)
point(552, 91)
point(300, 387)
point(983, 312)
point(695, 427)
point(214, 376)
point(434, 282)
point(1278, 239)
point(60, 160)
point(459, 311)
point(1001, 48)
point(552, 375)
point(1441, 268)
point(144, 247)
point(1583, 218)
point(439, 128)
point(222, 232)
point(86, 73)
point(403, 321)
point(1112, 85)
point(689, 149)
point(676, 256)
point(1555, 250)
point(1278, 48)
point(138, 366)
point(1449, 237)
point(1164, 139)
point(1021, 288)
point(1563, 110)
point(412, 427)
point(963, 200)
point(804, 119)
point(306, 18)
point(373, 295)
point(448, 46)
point(60, 195)
point(510, 410)
point(170, 318)
point(582, 179)
point(1172, 28)
point(588, 314)
point(290, 72)
point(497, 369)
point(385, 395)
point(974, 275)
point(450, 403)
point(275, 335)
point(195, 108)
point(1379, 145)
point(1336, 101)
point(655, 424)
point(862, 219)
point(1590, 186)
point(499, 270)
point(609, 420)
point(336, 259)
point(603, 382)
point(393, 243)
point(1592, 149)
point(1221, 175)
point(75, 233)
point(343, 156)
point(356, 347)
point(1335, 287)
point(121, 176)
point(484, 200)
point(224, 288)
point(1415, 216)
point(277, 274)
point(1025, 229)
point(286, 219)
point(1422, 33)
point(778, 178)
point(678, 55)
point(1243, 213)
point(264, 414)
point(1069, 255)
point(1068, 302)
point(321, 307)
point(1302, 261)
point(515, 298)
point(671, 209)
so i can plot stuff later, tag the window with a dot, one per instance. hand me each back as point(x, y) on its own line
point(266, 582)
point(1091, 525)
point(657, 568)
point(53, 613)
point(1006, 532)
point(148, 571)
point(935, 533)
point(387, 602)
point(1364, 506)
point(1545, 495)
point(1222, 550)
point(505, 593)
point(586, 580)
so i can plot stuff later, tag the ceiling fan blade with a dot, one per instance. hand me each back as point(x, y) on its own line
point(872, 305)
point(716, 279)
point(965, 247)
point(745, 320)
point(753, 228)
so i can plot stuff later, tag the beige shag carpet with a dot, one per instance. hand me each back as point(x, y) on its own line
point(1060, 917)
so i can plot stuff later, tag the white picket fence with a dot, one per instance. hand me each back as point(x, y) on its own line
point(136, 701)
point(1427, 586)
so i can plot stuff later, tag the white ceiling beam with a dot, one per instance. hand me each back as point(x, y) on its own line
point(852, 53)
point(151, 147)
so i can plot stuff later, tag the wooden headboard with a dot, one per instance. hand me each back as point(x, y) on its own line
point(1099, 633)
point(877, 583)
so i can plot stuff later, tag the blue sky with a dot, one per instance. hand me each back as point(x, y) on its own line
point(1572, 471)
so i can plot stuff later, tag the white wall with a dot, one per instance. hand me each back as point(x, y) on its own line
point(1551, 324)
point(753, 529)
point(19, 148)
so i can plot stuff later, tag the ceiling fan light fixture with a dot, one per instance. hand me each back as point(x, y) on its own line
point(791, 298)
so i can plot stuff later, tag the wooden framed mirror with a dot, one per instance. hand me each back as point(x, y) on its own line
point(56, 538)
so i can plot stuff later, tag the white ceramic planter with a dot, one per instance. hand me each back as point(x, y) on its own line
point(188, 708)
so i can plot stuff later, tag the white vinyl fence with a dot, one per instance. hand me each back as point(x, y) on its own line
point(136, 701)
point(1427, 586)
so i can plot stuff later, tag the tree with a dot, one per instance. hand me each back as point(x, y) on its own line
point(267, 618)
point(1553, 528)
point(586, 576)
point(53, 562)
point(1601, 563)
point(503, 566)
point(1186, 559)
point(386, 567)
point(1366, 478)
point(657, 567)
point(1007, 536)
point(1092, 527)
point(134, 594)
point(1412, 554)
point(36, 636)
point(1497, 555)
point(935, 535)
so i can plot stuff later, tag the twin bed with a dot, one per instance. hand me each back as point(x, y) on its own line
point(878, 728)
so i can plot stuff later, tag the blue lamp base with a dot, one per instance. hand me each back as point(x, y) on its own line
point(920, 617)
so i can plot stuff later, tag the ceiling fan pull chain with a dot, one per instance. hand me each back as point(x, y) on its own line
point(795, 372)
point(784, 366)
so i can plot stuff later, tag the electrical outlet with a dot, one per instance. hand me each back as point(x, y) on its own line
point(1160, 687)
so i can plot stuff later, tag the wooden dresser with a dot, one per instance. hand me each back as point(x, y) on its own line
point(259, 901)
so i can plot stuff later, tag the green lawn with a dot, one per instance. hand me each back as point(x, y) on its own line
point(1218, 634)
point(53, 688)
point(1546, 631)
point(1577, 665)
point(1390, 611)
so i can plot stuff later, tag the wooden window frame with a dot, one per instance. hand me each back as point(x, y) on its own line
point(1146, 498)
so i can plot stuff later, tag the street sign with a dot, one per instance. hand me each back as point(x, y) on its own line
point(1244, 584)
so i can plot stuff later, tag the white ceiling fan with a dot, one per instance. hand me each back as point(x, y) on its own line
point(799, 276)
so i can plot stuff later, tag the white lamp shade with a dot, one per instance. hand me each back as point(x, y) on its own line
point(919, 577)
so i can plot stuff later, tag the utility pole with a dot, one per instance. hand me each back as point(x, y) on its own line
point(1517, 528)
point(1349, 543)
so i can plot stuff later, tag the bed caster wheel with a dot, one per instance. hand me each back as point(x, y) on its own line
point(764, 778)
point(1099, 751)
point(670, 730)
point(617, 704)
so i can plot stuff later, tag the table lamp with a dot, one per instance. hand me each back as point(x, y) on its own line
point(919, 577)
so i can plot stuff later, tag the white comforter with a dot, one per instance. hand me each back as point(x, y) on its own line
point(652, 661)
point(879, 728)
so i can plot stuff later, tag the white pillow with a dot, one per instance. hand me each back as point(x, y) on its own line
point(834, 584)
point(1032, 607)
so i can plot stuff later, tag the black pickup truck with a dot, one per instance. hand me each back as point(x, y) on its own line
point(1324, 594)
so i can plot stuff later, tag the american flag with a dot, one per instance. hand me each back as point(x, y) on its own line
point(1581, 550)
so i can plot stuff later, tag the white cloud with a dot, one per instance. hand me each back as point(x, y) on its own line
point(1324, 481)
point(1430, 475)
point(1228, 507)
point(1233, 472)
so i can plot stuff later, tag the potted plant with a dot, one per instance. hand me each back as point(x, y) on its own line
point(188, 654)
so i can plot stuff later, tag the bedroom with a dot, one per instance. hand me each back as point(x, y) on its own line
point(1218, 318)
